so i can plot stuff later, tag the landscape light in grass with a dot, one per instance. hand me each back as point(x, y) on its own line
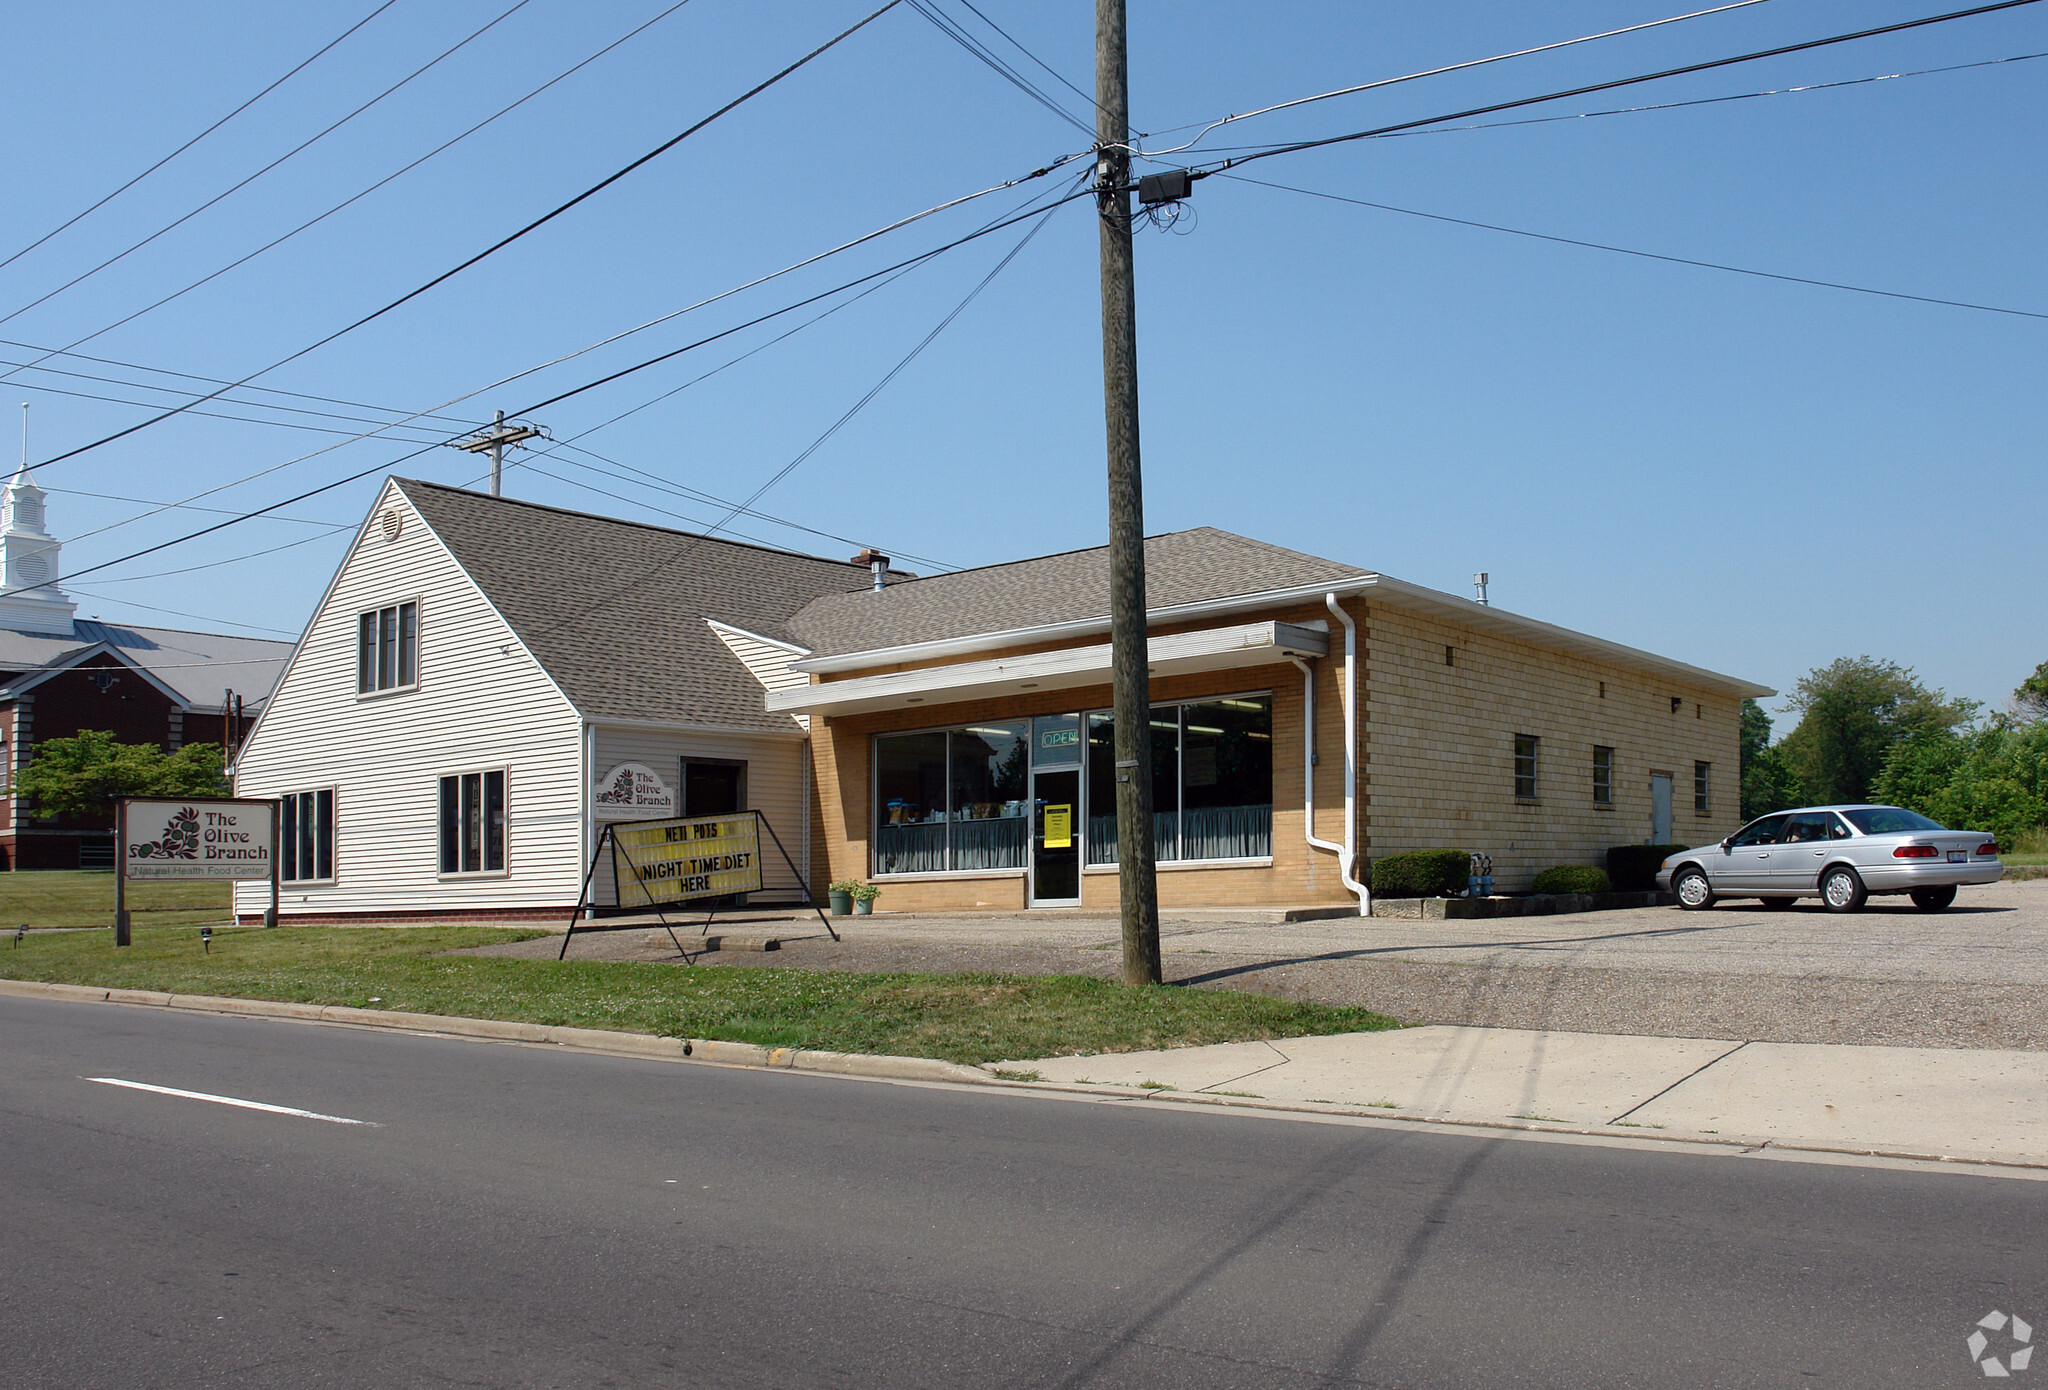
point(18, 931)
point(206, 939)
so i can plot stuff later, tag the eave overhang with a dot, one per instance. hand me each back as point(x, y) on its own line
point(1181, 653)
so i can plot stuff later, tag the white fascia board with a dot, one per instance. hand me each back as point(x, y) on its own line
point(606, 721)
point(1181, 653)
point(716, 624)
point(1079, 627)
point(1397, 592)
point(78, 658)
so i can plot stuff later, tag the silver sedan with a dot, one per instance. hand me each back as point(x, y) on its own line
point(1839, 854)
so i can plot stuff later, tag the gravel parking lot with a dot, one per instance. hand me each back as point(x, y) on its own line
point(1968, 977)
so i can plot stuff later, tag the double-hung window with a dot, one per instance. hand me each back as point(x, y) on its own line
point(1525, 767)
point(305, 837)
point(1702, 784)
point(1603, 776)
point(388, 648)
point(473, 823)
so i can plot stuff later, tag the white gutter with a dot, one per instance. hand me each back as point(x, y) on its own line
point(1347, 859)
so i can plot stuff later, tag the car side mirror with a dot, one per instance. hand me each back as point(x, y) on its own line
point(1728, 844)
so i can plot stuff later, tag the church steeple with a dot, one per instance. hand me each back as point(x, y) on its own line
point(30, 600)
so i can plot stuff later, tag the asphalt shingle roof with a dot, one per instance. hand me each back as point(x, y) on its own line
point(1180, 567)
point(614, 610)
point(199, 666)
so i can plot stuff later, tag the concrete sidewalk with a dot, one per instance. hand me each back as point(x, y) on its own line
point(1984, 1106)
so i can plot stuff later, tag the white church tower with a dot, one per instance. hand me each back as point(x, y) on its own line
point(30, 600)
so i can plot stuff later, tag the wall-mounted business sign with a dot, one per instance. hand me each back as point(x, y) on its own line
point(673, 861)
point(632, 791)
point(197, 839)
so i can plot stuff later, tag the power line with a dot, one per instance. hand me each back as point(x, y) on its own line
point(222, 381)
point(1680, 105)
point(195, 617)
point(1649, 255)
point(81, 216)
point(1032, 56)
point(173, 506)
point(1296, 147)
point(1009, 74)
point(296, 149)
point(758, 493)
point(445, 145)
point(157, 405)
point(1440, 71)
point(500, 245)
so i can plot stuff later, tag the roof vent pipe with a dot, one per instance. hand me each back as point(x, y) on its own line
point(876, 562)
point(1479, 583)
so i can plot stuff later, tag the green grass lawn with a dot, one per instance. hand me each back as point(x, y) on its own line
point(83, 898)
point(961, 1018)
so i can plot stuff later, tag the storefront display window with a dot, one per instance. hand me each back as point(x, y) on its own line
point(1212, 781)
point(951, 799)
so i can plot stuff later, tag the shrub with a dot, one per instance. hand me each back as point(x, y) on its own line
point(1633, 868)
point(1424, 873)
point(1571, 878)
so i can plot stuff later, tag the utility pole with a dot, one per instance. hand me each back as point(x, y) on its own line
point(1131, 695)
point(492, 441)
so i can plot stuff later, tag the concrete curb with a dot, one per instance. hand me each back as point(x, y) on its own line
point(736, 1054)
point(740, 1054)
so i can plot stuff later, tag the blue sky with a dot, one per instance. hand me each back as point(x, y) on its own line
point(1747, 474)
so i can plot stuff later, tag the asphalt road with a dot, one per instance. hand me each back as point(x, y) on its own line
point(517, 1216)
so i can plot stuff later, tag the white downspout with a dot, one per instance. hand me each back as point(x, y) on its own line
point(1308, 759)
point(1347, 859)
point(587, 756)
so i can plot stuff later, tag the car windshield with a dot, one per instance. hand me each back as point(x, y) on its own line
point(1890, 820)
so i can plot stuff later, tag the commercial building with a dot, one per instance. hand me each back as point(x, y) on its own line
point(486, 681)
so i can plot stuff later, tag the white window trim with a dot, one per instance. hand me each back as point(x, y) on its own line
point(419, 631)
point(333, 840)
point(471, 875)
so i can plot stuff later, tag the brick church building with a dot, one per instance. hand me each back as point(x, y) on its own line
point(61, 675)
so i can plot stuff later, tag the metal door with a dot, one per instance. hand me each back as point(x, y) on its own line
point(1660, 808)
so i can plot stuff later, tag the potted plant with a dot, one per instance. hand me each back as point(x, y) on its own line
point(864, 899)
point(841, 895)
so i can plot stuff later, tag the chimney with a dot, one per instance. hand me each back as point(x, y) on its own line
point(877, 562)
point(1479, 583)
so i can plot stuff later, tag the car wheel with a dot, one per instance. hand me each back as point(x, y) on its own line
point(1842, 890)
point(1779, 904)
point(1933, 899)
point(1694, 892)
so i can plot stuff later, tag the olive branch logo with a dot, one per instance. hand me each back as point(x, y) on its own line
point(180, 838)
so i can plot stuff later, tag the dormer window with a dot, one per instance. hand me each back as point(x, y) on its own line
point(388, 648)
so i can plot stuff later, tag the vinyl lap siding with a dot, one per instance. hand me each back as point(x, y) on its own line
point(768, 662)
point(481, 703)
point(775, 786)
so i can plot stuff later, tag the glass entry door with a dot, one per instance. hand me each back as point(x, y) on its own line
point(1056, 837)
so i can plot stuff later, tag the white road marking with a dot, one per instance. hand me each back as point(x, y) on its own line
point(228, 1100)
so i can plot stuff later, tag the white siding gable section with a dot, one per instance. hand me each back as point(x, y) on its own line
point(766, 658)
point(482, 702)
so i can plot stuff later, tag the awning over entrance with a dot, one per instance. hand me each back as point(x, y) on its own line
point(1183, 653)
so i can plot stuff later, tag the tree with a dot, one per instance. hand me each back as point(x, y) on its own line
point(1767, 783)
point(2030, 700)
point(81, 776)
point(1853, 712)
point(1993, 779)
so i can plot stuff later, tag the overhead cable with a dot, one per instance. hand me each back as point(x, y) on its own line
point(311, 222)
point(683, 551)
point(1297, 146)
point(494, 248)
point(81, 216)
point(288, 154)
point(1650, 255)
point(1440, 71)
point(1009, 74)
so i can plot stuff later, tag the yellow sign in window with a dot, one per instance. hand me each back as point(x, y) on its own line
point(1059, 827)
